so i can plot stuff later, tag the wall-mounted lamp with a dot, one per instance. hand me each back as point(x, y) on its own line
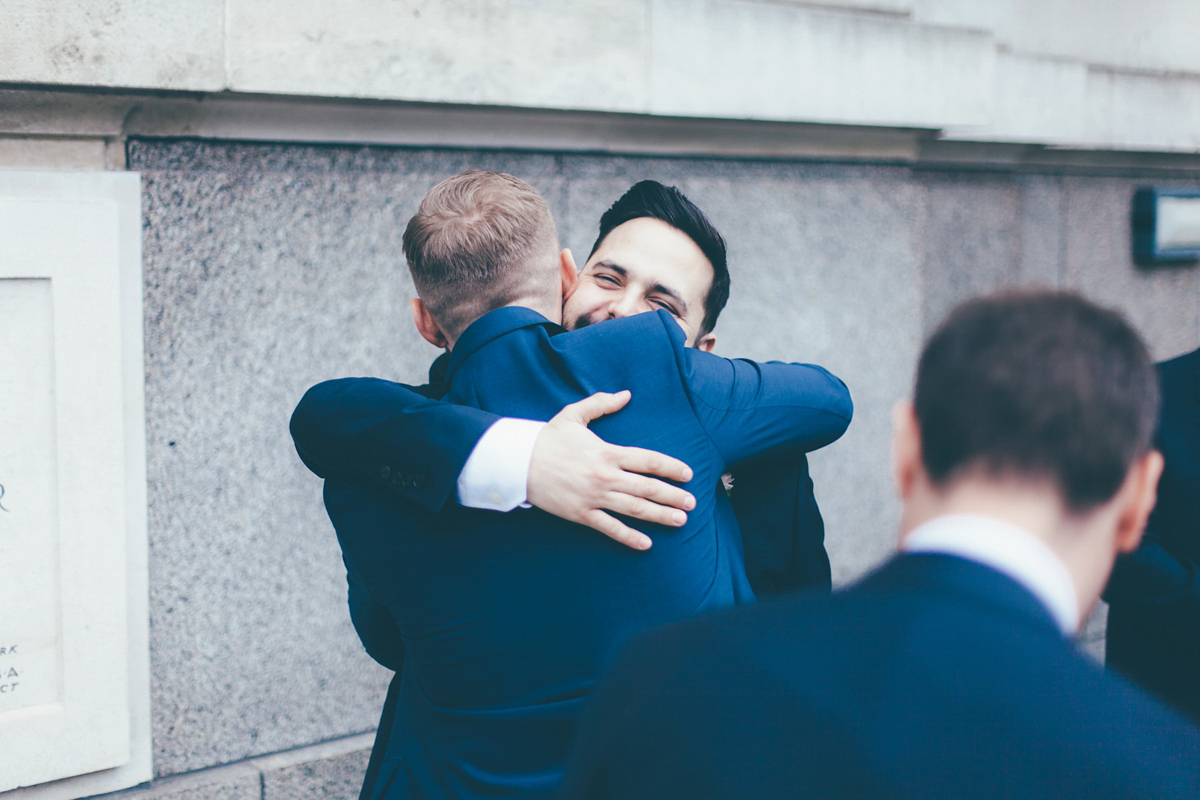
point(1166, 225)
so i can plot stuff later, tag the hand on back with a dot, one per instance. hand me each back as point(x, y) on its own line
point(576, 475)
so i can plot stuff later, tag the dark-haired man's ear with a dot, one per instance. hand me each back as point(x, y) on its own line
point(570, 273)
point(707, 342)
point(426, 324)
point(1142, 485)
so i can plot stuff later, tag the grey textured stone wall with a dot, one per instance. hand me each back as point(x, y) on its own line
point(271, 267)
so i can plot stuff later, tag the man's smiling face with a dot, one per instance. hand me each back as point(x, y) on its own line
point(644, 265)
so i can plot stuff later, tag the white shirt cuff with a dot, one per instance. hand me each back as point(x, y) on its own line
point(497, 472)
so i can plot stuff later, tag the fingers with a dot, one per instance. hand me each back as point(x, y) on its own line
point(655, 490)
point(650, 462)
point(597, 405)
point(616, 530)
point(641, 508)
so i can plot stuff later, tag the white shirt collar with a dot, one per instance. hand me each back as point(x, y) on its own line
point(1008, 549)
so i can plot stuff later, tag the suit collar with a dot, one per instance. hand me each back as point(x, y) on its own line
point(969, 582)
point(1008, 549)
point(490, 327)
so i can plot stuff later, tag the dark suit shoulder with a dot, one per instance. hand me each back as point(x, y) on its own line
point(1181, 373)
point(896, 691)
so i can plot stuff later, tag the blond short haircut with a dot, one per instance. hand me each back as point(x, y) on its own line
point(481, 241)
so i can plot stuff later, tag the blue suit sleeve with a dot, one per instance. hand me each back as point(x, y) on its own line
point(389, 435)
point(753, 410)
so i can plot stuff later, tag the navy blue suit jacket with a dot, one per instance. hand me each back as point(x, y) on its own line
point(935, 677)
point(1154, 594)
point(507, 619)
point(407, 442)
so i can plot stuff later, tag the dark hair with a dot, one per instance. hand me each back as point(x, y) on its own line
point(1036, 384)
point(669, 205)
point(479, 241)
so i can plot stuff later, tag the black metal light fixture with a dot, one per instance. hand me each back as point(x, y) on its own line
point(1166, 226)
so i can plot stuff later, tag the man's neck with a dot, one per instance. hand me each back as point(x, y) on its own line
point(548, 308)
point(551, 309)
point(1030, 507)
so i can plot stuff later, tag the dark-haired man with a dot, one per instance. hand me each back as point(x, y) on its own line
point(1025, 465)
point(507, 618)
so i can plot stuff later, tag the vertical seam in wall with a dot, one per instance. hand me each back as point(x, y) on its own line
point(566, 236)
point(1060, 268)
point(228, 83)
point(922, 262)
point(647, 57)
point(1022, 221)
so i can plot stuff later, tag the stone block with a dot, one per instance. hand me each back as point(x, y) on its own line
point(27, 152)
point(724, 58)
point(1158, 36)
point(332, 771)
point(131, 43)
point(1144, 112)
point(1037, 99)
point(588, 54)
point(899, 7)
point(235, 782)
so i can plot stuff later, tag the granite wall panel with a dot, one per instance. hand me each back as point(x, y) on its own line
point(1164, 303)
point(971, 238)
point(271, 267)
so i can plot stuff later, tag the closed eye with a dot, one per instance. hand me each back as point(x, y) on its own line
point(665, 306)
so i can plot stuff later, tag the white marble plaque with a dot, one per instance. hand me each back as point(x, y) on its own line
point(73, 632)
point(31, 652)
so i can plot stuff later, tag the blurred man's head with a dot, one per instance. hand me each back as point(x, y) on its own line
point(1040, 406)
point(656, 250)
point(481, 241)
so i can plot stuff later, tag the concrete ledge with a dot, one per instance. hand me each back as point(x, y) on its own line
point(82, 128)
point(52, 112)
point(331, 771)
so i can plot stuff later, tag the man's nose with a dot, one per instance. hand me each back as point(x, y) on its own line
point(628, 305)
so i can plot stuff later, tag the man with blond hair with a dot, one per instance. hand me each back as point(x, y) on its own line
point(507, 618)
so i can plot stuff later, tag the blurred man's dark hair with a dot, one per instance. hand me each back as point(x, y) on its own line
point(1036, 384)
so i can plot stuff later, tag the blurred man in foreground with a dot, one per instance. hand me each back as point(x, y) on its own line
point(1025, 466)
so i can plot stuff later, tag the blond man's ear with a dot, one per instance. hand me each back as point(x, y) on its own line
point(426, 324)
point(570, 272)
